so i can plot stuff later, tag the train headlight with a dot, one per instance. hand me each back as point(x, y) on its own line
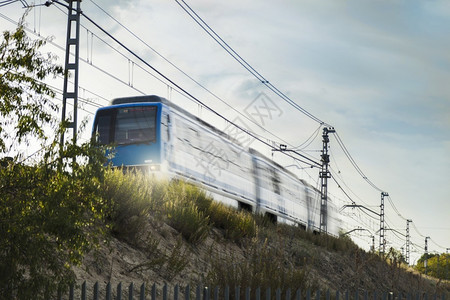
point(154, 168)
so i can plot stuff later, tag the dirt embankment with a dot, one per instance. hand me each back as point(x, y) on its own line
point(279, 257)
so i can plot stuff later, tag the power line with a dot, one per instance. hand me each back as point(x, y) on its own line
point(7, 2)
point(417, 230)
point(395, 208)
point(353, 162)
point(434, 242)
point(82, 59)
point(243, 62)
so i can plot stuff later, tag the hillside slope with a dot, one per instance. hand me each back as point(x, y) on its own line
point(182, 237)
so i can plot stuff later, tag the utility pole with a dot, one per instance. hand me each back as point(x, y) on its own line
point(446, 263)
point(426, 255)
point(407, 241)
point(324, 175)
point(70, 91)
point(382, 233)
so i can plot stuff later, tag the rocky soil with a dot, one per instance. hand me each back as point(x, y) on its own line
point(159, 255)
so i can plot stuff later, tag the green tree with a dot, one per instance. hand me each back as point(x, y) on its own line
point(438, 265)
point(51, 213)
point(25, 106)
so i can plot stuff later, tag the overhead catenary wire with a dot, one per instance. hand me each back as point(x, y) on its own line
point(243, 62)
point(7, 2)
point(82, 59)
point(353, 162)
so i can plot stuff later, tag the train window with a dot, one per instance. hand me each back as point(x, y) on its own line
point(168, 127)
point(135, 124)
point(102, 127)
point(275, 181)
point(194, 138)
point(164, 128)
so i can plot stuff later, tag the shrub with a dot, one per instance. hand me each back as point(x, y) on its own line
point(183, 213)
point(264, 266)
point(236, 224)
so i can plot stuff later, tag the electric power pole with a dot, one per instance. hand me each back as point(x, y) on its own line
point(70, 91)
point(382, 233)
point(324, 175)
point(425, 263)
point(407, 241)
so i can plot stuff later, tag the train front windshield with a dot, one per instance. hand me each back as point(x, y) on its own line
point(126, 125)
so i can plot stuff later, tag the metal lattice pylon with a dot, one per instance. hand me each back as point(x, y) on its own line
point(70, 90)
point(324, 175)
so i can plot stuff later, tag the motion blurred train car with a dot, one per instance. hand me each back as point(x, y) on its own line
point(154, 135)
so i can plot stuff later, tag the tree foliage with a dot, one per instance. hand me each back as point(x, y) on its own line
point(438, 265)
point(25, 101)
point(52, 210)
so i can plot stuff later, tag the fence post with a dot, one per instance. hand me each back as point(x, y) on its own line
point(288, 294)
point(119, 291)
point(247, 293)
point(308, 294)
point(298, 295)
point(71, 292)
point(165, 291)
point(206, 293)
point(337, 295)
point(142, 293)
point(227, 293)
point(154, 291)
point(258, 293)
point(216, 293)
point(108, 291)
point(130, 291)
point(187, 292)
point(356, 295)
point(175, 292)
point(237, 292)
point(96, 290)
point(83, 291)
point(318, 295)
point(268, 293)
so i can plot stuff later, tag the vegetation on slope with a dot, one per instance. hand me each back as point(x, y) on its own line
point(238, 248)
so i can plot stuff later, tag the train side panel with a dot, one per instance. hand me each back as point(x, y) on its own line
point(206, 157)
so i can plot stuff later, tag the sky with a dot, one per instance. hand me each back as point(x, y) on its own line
point(377, 71)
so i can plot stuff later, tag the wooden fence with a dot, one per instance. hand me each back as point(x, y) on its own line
point(132, 292)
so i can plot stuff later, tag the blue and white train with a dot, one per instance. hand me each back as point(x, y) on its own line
point(153, 134)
